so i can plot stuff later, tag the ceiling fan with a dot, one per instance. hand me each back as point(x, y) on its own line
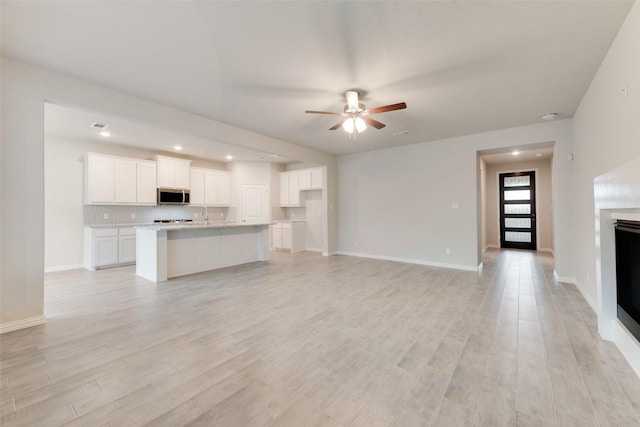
point(357, 116)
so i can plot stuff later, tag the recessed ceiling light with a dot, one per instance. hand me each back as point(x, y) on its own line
point(275, 155)
point(550, 116)
point(229, 157)
point(177, 147)
point(105, 133)
point(515, 152)
point(538, 154)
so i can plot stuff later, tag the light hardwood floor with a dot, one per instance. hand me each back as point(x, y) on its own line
point(304, 340)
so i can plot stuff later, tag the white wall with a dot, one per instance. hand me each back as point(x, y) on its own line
point(606, 134)
point(397, 203)
point(544, 204)
point(25, 89)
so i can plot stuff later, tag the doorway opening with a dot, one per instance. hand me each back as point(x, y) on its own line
point(499, 220)
point(518, 210)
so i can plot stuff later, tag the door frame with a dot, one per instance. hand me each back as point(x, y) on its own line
point(498, 224)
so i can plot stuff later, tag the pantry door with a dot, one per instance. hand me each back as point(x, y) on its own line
point(255, 203)
point(518, 210)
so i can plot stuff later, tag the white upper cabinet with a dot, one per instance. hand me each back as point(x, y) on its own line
point(304, 179)
point(294, 189)
point(183, 174)
point(99, 179)
point(289, 189)
point(317, 178)
point(310, 179)
point(146, 182)
point(174, 173)
point(293, 182)
point(210, 187)
point(113, 180)
point(126, 181)
point(196, 196)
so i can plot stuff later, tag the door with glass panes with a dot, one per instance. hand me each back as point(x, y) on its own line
point(518, 210)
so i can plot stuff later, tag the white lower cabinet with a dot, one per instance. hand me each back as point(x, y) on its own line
point(105, 250)
point(126, 245)
point(109, 247)
point(289, 236)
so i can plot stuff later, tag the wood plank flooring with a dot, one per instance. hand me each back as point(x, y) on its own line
point(304, 340)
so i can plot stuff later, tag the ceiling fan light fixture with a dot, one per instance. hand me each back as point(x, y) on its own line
point(361, 126)
point(348, 125)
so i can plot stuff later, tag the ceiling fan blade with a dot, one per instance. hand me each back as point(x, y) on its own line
point(352, 100)
point(322, 112)
point(337, 125)
point(373, 123)
point(386, 108)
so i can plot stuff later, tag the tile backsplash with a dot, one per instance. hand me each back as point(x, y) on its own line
point(95, 214)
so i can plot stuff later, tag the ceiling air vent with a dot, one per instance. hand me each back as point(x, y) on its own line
point(99, 125)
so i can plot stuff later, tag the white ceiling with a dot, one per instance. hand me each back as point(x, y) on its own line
point(462, 67)
point(75, 124)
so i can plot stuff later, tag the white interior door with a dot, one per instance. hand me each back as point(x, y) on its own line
point(255, 203)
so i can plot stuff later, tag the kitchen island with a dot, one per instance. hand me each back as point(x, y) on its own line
point(166, 251)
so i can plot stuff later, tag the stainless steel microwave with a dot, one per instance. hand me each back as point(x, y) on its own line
point(173, 197)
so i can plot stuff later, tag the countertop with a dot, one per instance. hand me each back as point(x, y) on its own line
point(130, 225)
point(199, 225)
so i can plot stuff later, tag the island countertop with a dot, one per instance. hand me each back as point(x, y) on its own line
point(199, 225)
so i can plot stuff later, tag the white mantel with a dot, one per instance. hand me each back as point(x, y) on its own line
point(616, 196)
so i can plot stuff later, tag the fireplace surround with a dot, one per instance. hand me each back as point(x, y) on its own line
point(628, 274)
point(616, 198)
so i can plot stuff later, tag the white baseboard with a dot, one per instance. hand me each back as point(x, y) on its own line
point(313, 249)
point(410, 261)
point(331, 253)
point(573, 281)
point(22, 323)
point(63, 268)
point(565, 279)
point(546, 250)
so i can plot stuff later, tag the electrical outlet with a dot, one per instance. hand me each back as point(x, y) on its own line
point(221, 215)
point(455, 205)
point(447, 251)
point(106, 216)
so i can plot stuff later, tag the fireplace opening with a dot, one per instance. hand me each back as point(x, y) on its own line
point(628, 274)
